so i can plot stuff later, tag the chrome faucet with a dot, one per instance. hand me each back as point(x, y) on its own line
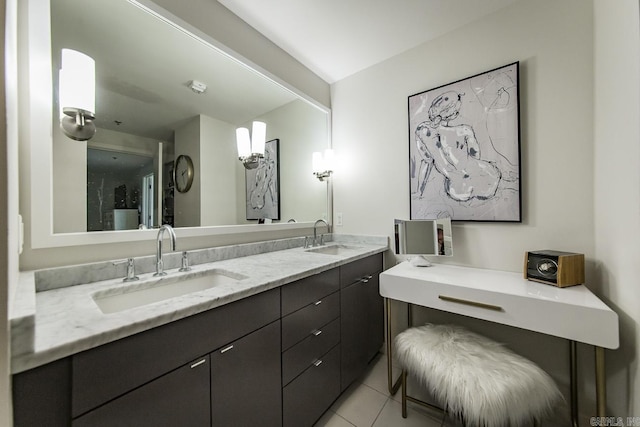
point(159, 262)
point(315, 231)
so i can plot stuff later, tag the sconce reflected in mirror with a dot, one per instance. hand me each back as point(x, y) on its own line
point(77, 95)
point(322, 164)
point(251, 148)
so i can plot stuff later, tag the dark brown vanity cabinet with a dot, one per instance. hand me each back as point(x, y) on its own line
point(361, 316)
point(278, 358)
point(310, 347)
point(156, 376)
point(246, 387)
point(179, 398)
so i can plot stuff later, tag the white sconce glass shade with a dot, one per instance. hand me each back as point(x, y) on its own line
point(258, 137)
point(317, 162)
point(77, 81)
point(328, 160)
point(244, 142)
point(322, 165)
point(251, 148)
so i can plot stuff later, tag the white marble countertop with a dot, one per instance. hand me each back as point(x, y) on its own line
point(66, 320)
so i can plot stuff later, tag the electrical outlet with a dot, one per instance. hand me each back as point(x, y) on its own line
point(339, 219)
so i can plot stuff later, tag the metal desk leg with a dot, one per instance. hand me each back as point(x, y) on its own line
point(601, 383)
point(393, 387)
point(573, 377)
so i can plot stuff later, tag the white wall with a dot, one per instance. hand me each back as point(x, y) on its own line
point(553, 40)
point(617, 188)
point(186, 206)
point(218, 187)
point(69, 183)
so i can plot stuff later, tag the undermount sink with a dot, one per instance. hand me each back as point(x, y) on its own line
point(333, 249)
point(160, 289)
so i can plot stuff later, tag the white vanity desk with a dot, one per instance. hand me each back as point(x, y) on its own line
point(573, 313)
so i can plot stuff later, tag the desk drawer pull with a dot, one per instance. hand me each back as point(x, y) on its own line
point(224, 350)
point(472, 303)
point(317, 302)
point(316, 332)
point(317, 363)
point(201, 362)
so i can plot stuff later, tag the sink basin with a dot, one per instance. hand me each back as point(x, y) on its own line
point(160, 289)
point(333, 249)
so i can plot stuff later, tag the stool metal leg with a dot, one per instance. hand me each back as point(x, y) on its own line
point(403, 377)
point(393, 387)
point(601, 383)
point(573, 374)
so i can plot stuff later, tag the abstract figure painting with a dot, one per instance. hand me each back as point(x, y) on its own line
point(263, 185)
point(464, 149)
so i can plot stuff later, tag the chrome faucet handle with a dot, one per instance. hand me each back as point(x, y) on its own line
point(321, 240)
point(306, 242)
point(185, 262)
point(131, 270)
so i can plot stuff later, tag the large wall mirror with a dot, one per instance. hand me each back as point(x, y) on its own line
point(147, 115)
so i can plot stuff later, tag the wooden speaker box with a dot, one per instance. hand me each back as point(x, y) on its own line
point(555, 268)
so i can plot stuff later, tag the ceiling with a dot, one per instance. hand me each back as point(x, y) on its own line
point(337, 38)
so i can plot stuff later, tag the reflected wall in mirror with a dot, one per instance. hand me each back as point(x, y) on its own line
point(146, 110)
point(423, 237)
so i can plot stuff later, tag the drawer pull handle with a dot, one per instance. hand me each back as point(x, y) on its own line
point(366, 279)
point(198, 363)
point(317, 363)
point(224, 350)
point(317, 302)
point(316, 333)
point(472, 303)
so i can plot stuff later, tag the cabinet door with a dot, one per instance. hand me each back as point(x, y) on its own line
point(179, 398)
point(246, 381)
point(362, 327)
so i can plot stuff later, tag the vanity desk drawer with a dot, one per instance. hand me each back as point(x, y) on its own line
point(309, 290)
point(302, 355)
point(306, 398)
point(300, 324)
point(357, 270)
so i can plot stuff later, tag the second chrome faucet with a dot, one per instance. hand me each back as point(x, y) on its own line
point(159, 262)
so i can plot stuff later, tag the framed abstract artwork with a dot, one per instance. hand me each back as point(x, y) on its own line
point(464, 149)
point(263, 185)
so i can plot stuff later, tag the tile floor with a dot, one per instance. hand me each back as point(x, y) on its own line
point(368, 404)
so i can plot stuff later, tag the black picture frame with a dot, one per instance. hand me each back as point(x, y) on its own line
point(263, 185)
point(464, 149)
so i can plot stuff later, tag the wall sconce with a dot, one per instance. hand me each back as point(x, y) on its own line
point(251, 150)
point(77, 95)
point(322, 165)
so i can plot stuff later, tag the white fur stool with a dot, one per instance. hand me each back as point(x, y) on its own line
point(473, 377)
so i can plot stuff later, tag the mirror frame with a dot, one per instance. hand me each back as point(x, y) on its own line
point(39, 137)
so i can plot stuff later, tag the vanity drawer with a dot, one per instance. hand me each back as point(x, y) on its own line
point(356, 270)
point(302, 355)
point(298, 325)
point(306, 398)
point(305, 291)
point(111, 370)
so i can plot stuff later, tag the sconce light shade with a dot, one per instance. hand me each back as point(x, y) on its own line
point(322, 165)
point(251, 149)
point(244, 142)
point(77, 95)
